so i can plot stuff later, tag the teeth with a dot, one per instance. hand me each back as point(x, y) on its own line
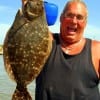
point(72, 29)
point(75, 30)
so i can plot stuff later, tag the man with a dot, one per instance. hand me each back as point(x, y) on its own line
point(72, 71)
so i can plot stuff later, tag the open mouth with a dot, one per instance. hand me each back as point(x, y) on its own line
point(71, 29)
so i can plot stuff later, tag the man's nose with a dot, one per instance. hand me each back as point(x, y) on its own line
point(74, 19)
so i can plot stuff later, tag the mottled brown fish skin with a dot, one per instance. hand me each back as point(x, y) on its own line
point(27, 46)
point(21, 95)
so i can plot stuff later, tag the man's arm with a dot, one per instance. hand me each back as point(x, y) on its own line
point(96, 56)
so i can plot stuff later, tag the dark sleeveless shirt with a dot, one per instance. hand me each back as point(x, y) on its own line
point(68, 77)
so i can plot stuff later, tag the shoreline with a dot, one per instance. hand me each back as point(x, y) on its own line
point(1, 49)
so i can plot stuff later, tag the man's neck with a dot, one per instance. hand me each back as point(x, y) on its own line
point(74, 47)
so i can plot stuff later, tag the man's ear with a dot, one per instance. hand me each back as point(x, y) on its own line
point(61, 17)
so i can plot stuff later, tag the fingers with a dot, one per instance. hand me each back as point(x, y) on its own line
point(24, 2)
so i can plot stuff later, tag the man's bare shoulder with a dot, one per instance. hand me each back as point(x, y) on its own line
point(96, 55)
point(96, 47)
point(96, 43)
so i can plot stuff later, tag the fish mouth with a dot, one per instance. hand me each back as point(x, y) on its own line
point(33, 9)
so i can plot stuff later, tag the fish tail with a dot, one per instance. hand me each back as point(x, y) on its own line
point(21, 94)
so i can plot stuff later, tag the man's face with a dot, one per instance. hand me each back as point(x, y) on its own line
point(73, 22)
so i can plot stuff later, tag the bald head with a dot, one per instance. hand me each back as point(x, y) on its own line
point(75, 2)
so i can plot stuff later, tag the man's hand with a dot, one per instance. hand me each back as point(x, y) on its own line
point(23, 3)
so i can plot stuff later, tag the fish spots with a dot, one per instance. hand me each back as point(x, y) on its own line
point(27, 47)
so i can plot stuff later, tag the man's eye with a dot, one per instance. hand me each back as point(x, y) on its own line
point(72, 16)
point(80, 17)
point(69, 15)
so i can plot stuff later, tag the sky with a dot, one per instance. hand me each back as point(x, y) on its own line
point(9, 8)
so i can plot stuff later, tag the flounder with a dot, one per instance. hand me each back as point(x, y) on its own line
point(27, 46)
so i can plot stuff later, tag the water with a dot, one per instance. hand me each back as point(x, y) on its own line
point(7, 86)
